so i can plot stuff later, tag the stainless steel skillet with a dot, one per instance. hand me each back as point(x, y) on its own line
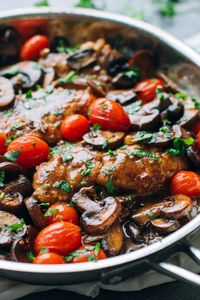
point(126, 34)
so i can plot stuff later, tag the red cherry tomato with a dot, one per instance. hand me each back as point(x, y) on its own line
point(48, 258)
point(3, 147)
point(60, 237)
point(63, 212)
point(85, 254)
point(32, 47)
point(30, 151)
point(146, 89)
point(109, 114)
point(186, 182)
point(74, 127)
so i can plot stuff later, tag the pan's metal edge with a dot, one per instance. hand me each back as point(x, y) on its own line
point(174, 43)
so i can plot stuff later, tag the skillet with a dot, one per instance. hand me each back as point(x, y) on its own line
point(79, 24)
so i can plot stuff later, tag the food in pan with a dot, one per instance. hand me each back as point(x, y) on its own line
point(99, 151)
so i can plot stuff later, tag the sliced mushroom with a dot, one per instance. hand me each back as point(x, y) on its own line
point(193, 154)
point(143, 59)
point(19, 251)
point(143, 215)
point(98, 221)
point(164, 226)
point(134, 232)
point(117, 65)
point(123, 81)
point(113, 243)
point(28, 74)
point(90, 239)
point(145, 120)
point(175, 111)
point(18, 185)
point(123, 97)
point(104, 139)
point(49, 76)
point(191, 115)
point(98, 87)
point(170, 84)
point(35, 213)
point(83, 199)
point(12, 202)
point(7, 94)
point(11, 228)
point(181, 206)
point(11, 169)
point(81, 59)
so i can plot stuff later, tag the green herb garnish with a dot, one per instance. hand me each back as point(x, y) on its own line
point(70, 77)
point(15, 227)
point(133, 72)
point(180, 146)
point(110, 186)
point(17, 126)
point(12, 155)
point(89, 166)
point(2, 178)
point(96, 127)
point(44, 204)
point(43, 250)
point(105, 144)
point(51, 212)
point(111, 152)
point(62, 185)
point(139, 152)
point(29, 94)
point(30, 256)
point(151, 214)
point(41, 3)
point(86, 4)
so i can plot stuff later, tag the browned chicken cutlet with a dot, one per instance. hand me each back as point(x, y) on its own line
point(58, 180)
point(41, 113)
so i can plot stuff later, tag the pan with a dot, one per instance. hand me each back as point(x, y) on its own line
point(80, 25)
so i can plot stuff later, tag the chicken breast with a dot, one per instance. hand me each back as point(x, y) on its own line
point(42, 111)
point(59, 178)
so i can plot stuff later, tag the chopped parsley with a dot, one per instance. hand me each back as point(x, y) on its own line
point(70, 77)
point(110, 186)
point(96, 127)
point(139, 152)
point(62, 48)
point(44, 204)
point(49, 89)
point(109, 170)
point(66, 156)
point(72, 203)
point(105, 144)
point(62, 185)
point(30, 256)
point(46, 186)
point(151, 214)
point(41, 3)
point(43, 250)
point(180, 146)
point(2, 178)
point(144, 136)
point(133, 72)
point(86, 251)
point(12, 155)
point(104, 106)
point(51, 212)
point(15, 227)
point(29, 94)
point(111, 152)
point(89, 166)
point(17, 126)
point(196, 103)
point(86, 4)
point(181, 95)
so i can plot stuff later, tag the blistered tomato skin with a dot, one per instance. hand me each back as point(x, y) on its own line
point(146, 89)
point(63, 212)
point(32, 151)
point(187, 183)
point(85, 255)
point(32, 47)
point(60, 238)
point(3, 147)
point(48, 258)
point(109, 114)
point(74, 127)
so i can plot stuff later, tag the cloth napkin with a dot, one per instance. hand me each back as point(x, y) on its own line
point(10, 290)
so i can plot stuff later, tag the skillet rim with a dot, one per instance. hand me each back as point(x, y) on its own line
point(173, 43)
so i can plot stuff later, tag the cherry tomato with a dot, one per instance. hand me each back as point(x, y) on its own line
point(63, 212)
point(186, 182)
point(32, 47)
point(74, 127)
point(3, 147)
point(48, 258)
point(198, 139)
point(109, 114)
point(196, 128)
point(146, 89)
point(85, 254)
point(60, 237)
point(28, 151)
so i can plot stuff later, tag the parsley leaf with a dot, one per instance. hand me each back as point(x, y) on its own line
point(180, 146)
point(43, 250)
point(139, 152)
point(86, 4)
point(41, 3)
point(70, 77)
point(51, 212)
point(96, 127)
point(89, 166)
point(13, 155)
point(30, 256)
point(110, 186)
point(2, 178)
point(62, 185)
point(133, 72)
point(15, 227)
point(29, 94)
point(105, 144)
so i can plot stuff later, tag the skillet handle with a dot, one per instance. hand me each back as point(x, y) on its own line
point(180, 273)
